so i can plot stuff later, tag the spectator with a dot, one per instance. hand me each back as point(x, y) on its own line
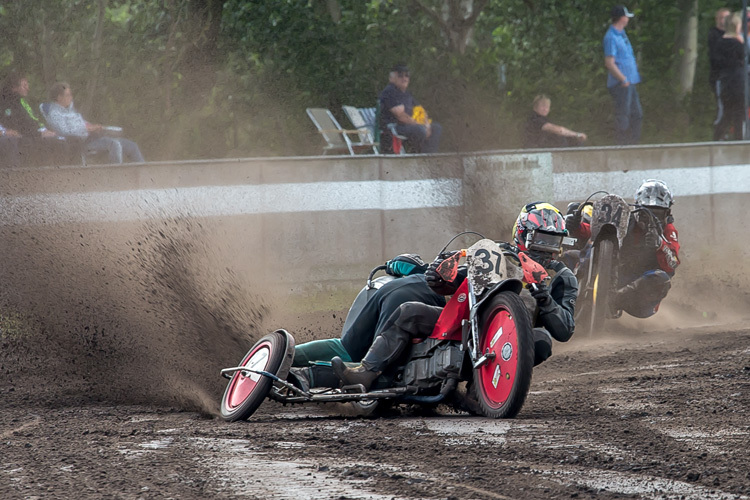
point(622, 78)
point(36, 144)
point(397, 106)
point(540, 133)
point(730, 57)
point(714, 35)
point(64, 119)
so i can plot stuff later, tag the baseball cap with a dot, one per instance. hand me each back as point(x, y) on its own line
point(400, 68)
point(620, 10)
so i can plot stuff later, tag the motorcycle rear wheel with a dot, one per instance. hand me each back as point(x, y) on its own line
point(602, 279)
point(244, 394)
point(502, 383)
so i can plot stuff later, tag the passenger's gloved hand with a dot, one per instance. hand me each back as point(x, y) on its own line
point(652, 240)
point(435, 281)
point(431, 275)
point(542, 296)
point(573, 222)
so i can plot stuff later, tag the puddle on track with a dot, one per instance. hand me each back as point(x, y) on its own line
point(646, 487)
point(250, 474)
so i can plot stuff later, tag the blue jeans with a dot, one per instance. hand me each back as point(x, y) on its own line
point(417, 135)
point(118, 149)
point(628, 114)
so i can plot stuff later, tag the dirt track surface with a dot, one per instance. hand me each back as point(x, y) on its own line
point(662, 415)
point(111, 342)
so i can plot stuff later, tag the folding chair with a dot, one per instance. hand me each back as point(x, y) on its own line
point(364, 121)
point(337, 139)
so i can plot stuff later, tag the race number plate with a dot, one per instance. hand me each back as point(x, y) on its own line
point(486, 265)
point(610, 210)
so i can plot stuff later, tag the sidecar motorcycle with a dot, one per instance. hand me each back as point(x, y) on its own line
point(483, 337)
point(596, 261)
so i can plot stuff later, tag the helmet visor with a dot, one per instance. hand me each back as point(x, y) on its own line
point(545, 241)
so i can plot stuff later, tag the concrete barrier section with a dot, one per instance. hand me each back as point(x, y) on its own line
point(321, 223)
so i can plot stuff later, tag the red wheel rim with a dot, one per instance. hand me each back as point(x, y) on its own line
point(241, 386)
point(498, 374)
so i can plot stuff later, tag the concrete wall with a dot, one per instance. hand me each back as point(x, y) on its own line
point(324, 222)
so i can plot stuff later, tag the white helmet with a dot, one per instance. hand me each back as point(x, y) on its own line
point(653, 193)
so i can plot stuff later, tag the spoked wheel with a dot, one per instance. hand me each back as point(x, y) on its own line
point(246, 391)
point(501, 384)
point(603, 281)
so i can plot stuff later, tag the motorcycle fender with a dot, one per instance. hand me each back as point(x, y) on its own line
point(612, 215)
point(514, 285)
point(286, 362)
point(448, 326)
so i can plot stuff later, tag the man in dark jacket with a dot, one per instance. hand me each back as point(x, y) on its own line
point(555, 303)
point(36, 144)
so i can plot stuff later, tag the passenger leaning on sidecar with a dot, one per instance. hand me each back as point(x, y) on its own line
point(555, 303)
point(365, 321)
point(647, 259)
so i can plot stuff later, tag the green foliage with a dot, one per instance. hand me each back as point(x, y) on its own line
point(201, 79)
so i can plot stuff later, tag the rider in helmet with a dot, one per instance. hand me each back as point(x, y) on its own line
point(555, 302)
point(649, 252)
point(649, 256)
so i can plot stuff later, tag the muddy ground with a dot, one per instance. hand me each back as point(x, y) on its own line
point(109, 388)
point(662, 415)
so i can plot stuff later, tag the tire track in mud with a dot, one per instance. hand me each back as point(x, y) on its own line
point(23, 427)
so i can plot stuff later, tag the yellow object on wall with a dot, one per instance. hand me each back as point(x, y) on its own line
point(420, 115)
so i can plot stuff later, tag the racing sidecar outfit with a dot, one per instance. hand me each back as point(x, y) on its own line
point(644, 273)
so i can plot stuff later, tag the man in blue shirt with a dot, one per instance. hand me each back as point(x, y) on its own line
point(623, 78)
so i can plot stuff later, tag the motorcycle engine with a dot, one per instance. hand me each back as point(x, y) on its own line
point(431, 361)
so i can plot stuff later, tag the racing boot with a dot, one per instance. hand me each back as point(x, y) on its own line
point(385, 350)
point(317, 375)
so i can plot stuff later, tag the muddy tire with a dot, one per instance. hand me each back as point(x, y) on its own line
point(501, 384)
point(601, 292)
point(244, 394)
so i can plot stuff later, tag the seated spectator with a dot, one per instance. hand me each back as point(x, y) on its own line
point(540, 133)
point(397, 106)
point(36, 144)
point(66, 121)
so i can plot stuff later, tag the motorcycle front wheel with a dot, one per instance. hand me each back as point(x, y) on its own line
point(602, 279)
point(245, 392)
point(502, 383)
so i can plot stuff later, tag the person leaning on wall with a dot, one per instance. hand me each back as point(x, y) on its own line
point(539, 132)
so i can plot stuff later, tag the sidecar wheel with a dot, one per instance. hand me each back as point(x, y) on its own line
point(369, 407)
point(244, 394)
point(602, 279)
point(502, 383)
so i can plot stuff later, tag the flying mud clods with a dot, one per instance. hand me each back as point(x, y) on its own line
point(94, 314)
